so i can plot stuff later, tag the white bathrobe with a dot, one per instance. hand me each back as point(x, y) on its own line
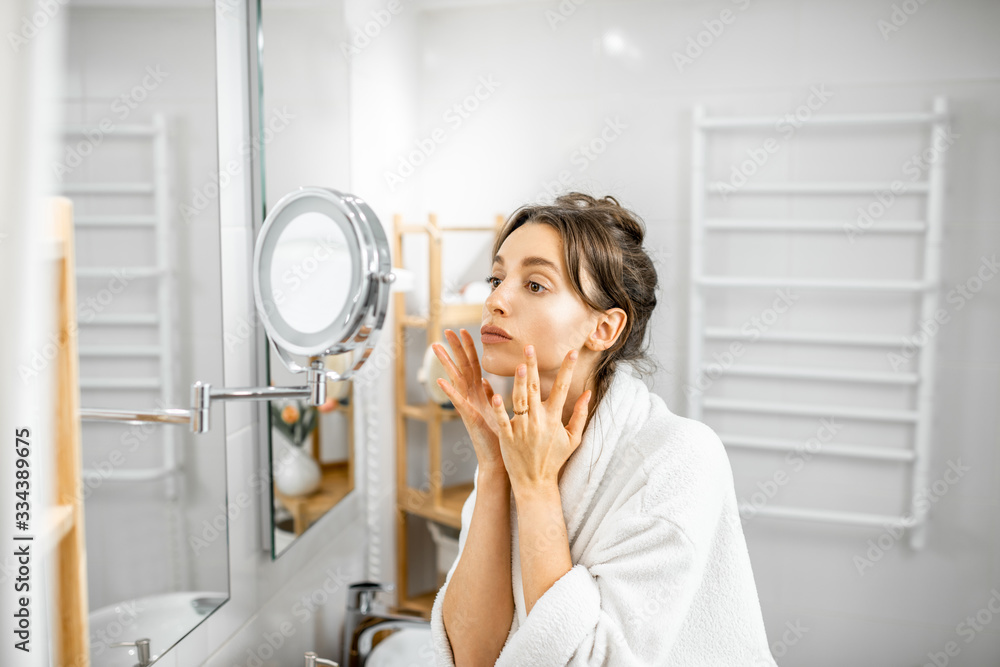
point(661, 573)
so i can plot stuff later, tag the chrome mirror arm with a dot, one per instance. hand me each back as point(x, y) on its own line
point(202, 395)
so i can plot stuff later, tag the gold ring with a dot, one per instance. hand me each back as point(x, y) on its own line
point(521, 413)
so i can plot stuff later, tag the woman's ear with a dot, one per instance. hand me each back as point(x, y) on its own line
point(610, 325)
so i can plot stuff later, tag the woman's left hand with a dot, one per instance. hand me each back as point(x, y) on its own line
point(535, 445)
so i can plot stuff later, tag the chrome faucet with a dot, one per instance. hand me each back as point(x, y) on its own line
point(312, 660)
point(141, 650)
point(363, 621)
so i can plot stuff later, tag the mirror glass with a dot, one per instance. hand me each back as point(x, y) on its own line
point(311, 272)
point(137, 156)
point(303, 135)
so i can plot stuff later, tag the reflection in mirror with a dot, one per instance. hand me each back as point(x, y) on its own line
point(136, 156)
point(313, 474)
point(304, 105)
point(310, 272)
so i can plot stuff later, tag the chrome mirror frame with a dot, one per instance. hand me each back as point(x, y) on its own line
point(361, 320)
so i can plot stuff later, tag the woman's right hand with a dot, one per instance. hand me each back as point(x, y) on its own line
point(472, 395)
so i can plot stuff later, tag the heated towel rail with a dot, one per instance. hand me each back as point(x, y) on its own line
point(158, 225)
point(920, 417)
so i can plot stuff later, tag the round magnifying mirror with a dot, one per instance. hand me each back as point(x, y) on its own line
point(321, 275)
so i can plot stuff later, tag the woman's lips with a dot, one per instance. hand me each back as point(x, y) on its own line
point(492, 338)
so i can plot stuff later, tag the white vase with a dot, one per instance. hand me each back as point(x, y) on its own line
point(295, 472)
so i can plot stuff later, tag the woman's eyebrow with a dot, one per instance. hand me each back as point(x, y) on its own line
point(531, 261)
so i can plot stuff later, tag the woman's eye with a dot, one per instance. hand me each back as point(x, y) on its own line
point(492, 280)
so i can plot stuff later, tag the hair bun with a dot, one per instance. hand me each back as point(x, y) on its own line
point(618, 215)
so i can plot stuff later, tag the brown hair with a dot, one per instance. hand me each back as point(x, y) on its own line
point(604, 239)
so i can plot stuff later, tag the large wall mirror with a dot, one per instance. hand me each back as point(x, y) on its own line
point(137, 156)
point(303, 137)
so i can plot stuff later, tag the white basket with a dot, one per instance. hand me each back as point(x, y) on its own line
point(447, 548)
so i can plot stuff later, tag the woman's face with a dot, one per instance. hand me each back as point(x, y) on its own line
point(534, 302)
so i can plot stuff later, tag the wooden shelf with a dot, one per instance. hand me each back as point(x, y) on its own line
point(448, 512)
point(452, 314)
point(306, 510)
point(430, 411)
point(438, 503)
point(421, 604)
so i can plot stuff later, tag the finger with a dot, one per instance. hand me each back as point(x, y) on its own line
point(557, 397)
point(469, 345)
point(520, 392)
point(461, 358)
point(500, 413)
point(449, 366)
point(534, 387)
point(488, 391)
point(579, 418)
point(461, 403)
point(488, 394)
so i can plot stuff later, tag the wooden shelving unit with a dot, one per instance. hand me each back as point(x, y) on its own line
point(62, 530)
point(437, 503)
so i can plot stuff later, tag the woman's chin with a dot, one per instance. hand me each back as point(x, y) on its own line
point(496, 366)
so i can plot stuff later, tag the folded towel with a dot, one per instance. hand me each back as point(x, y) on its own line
point(661, 574)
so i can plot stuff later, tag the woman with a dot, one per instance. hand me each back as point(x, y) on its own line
point(602, 529)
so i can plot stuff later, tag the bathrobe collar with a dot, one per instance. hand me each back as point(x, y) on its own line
point(624, 408)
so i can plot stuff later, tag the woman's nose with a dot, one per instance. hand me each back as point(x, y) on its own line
point(497, 301)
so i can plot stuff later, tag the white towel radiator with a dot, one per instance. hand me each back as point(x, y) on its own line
point(161, 316)
point(920, 416)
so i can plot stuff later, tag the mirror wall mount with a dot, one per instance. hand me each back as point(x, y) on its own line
point(343, 313)
point(202, 396)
